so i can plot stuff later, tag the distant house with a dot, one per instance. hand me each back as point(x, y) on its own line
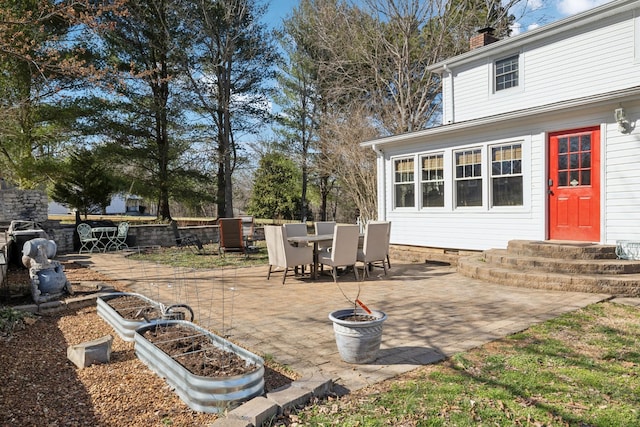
point(121, 204)
point(538, 141)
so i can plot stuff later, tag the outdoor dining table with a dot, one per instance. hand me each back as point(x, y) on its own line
point(315, 239)
point(105, 235)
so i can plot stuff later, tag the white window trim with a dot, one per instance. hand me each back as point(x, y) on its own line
point(447, 189)
point(393, 160)
point(492, 76)
point(526, 160)
point(483, 178)
point(490, 177)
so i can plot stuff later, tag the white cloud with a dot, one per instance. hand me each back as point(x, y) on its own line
point(533, 26)
point(535, 4)
point(516, 28)
point(571, 7)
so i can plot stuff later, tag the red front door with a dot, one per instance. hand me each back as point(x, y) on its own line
point(574, 185)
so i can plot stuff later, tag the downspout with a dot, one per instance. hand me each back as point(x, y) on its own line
point(381, 184)
point(448, 102)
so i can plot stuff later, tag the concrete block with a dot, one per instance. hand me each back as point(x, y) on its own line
point(231, 422)
point(289, 397)
point(256, 411)
point(318, 384)
point(91, 352)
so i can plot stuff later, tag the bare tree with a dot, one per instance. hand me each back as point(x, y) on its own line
point(353, 165)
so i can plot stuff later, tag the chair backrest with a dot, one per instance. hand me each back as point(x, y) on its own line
point(248, 225)
point(230, 230)
point(376, 241)
point(295, 229)
point(344, 249)
point(324, 227)
point(273, 234)
point(388, 223)
point(84, 231)
point(123, 229)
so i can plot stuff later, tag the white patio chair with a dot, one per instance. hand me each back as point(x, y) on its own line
point(294, 229)
point(388, 238)
point(87, 241)
point(283, 254)
point(343, 251)
point(324, 227)
point(375, 247)
point(119, 239)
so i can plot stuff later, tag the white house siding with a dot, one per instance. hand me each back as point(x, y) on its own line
point(598, 58)
point(469, 228)
point(622, 186)
point(484, 228)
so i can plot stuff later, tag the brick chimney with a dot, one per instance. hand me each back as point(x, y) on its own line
point(484, 37)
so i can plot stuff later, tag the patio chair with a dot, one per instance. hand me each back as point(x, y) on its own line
point(343, 251)
point(231, 239)
point(388, 239)
point(87, 241)
point(324, 227)
point(283, 254)
point(250, 234)
point(293, 229)
point(119, 239)
point(186, 240)
point(375, 247)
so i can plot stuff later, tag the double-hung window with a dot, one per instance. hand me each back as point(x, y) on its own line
point(506, 175)
point(432, 180)
point(506, 73)
point(468, 177)
point(404, 183)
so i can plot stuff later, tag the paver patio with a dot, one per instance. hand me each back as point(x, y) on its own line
point(433, 312)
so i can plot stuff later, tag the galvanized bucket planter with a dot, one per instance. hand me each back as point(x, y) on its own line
point(210, 394)
point(125, 326)
point(358, 341)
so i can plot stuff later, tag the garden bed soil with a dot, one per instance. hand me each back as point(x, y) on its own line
point(196, 353)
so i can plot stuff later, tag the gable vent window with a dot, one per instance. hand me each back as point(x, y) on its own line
point(506, 73)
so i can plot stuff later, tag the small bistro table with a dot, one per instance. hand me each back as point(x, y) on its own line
point(105, 235)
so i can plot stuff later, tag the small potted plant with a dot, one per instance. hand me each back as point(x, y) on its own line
point(358, 331)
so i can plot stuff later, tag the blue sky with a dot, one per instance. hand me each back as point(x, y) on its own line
point(539, 12)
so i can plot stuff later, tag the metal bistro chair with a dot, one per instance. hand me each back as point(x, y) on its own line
point(119, 239)
point(186, 240)
point(87, 241)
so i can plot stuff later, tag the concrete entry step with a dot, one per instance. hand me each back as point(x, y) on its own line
point(560, 265)
point(561, 249)
point(566, 266)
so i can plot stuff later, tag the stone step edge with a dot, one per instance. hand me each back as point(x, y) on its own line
point(474, 267)
point(561, 249)
point(505, 259)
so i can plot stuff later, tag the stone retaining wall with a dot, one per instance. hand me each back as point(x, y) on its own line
point(139, 235)
point(23, 205)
